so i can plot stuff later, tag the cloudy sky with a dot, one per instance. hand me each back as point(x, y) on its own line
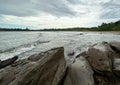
point(37, 14)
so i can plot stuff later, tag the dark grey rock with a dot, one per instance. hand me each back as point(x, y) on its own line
point(8, 62)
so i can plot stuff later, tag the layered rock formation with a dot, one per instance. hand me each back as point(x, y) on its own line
point(104, 61)
point(7, 62)
point(48, 70)
point(79, 73)
point(99, 65)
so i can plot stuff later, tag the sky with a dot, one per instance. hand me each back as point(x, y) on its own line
point(39, 14)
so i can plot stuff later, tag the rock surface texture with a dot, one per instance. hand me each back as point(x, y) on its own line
point(48, 70)
point(105, 62)
point(8, 62)
point(79, 73)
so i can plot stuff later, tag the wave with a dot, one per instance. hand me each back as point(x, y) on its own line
point(19, 50)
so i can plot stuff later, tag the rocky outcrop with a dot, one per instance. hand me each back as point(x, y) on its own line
point(115, 46)
point(48, 70)
point(105, 63)
point(8, 62)
point(79, 73)
point(99, 65)
point(100, 57)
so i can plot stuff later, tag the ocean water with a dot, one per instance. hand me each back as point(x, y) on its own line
point(25, 44)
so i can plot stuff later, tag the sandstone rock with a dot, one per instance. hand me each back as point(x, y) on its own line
point(116, 62)
point(6, 77)
point(8, 62)
point(100, 57)
point(11, 74)
point(48, 70)
point(116, 67)
point(79, 73)
point(105, 63)
point(115, 46)
point(35, 57)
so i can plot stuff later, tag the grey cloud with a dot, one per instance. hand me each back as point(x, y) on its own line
point(74, 1)
point(81, 2)
point(111, 14)
point(111, 10)
point(16, 7)
point(55, 7)
point(33, 7)
point(88, 2)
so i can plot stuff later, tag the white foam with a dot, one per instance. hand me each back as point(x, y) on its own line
point(6, 55)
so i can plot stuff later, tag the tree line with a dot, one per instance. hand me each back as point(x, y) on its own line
point(14, 29)
point(113, 26)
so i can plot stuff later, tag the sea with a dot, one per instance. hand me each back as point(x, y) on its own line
point(24, 44)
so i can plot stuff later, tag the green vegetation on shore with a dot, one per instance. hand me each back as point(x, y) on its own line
point(14, 29)
point(113, 26)
point(103, 27)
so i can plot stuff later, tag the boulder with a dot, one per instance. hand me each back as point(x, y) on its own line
point(8, 62)
point(79, 73)
point(100, 57)
point(11, 74)
point(115, 46)
point(116, 67)
point(116, 62)
point(48, 70)
point(105, 62)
